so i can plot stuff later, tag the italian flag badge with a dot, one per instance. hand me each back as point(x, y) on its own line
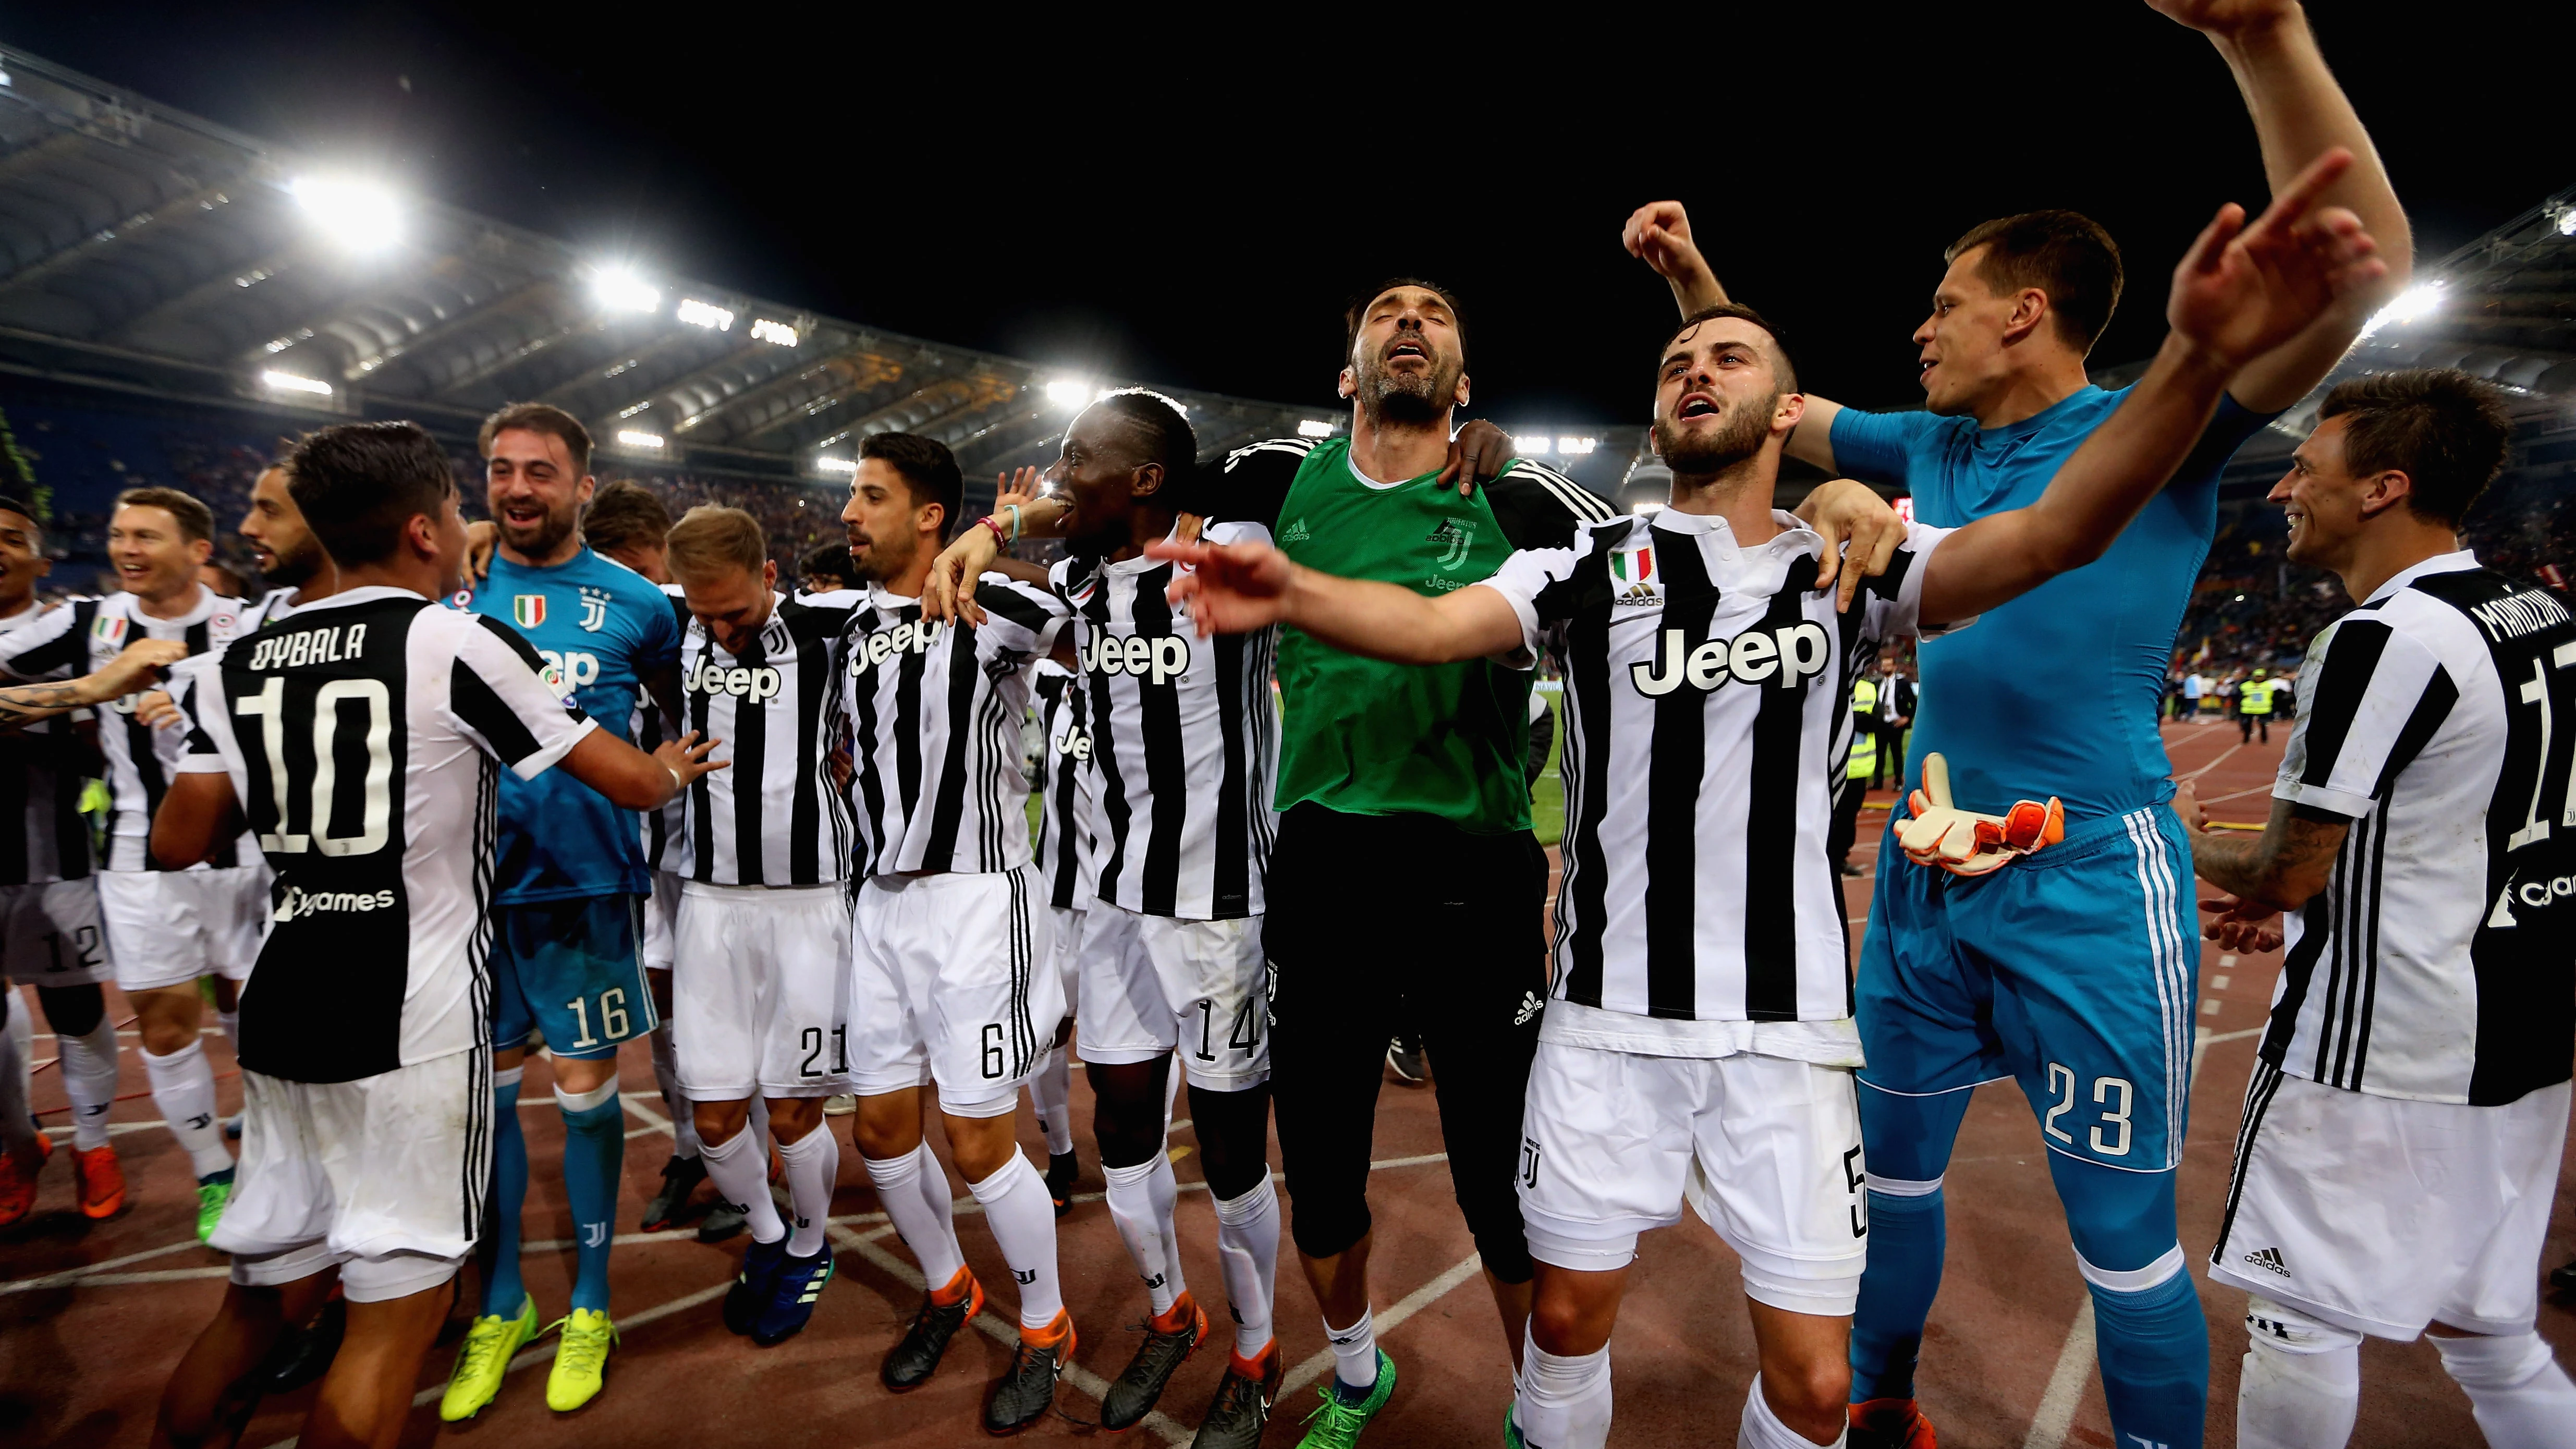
point(528, 610)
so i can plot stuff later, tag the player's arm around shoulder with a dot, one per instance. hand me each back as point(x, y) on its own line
point(199, 812)
point(1235, 588)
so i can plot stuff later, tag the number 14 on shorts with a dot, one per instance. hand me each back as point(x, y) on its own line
point(2113, 1095)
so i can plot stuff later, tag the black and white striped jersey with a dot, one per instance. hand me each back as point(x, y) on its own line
point(666, 833)
point(1067, 787)
point(2440, 719)
point(1184, 737)
point(931, 714)
point(42, 769)
point(772, 817)
point(81, 637)
point(363, 738)
point(1705, 715)
point(267, 609)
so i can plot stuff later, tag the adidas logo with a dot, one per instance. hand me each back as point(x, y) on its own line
point(1639, 593)
point(1295, 533)
point(2268, 1259)
point(1530, 1007)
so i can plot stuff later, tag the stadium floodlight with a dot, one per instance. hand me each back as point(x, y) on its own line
point(289, 382)
point(1314, 428)
point(1530, 444)
point(1069, 392)
point(358, 215)
point(705, 314)
point(836, 465)
point(633, 439)
point(2414, 302)
point(1575, 447)
point(778, 332)
point(620, 290)
point(2566, 218)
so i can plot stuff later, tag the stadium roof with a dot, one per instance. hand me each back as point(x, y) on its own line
point(149, 251)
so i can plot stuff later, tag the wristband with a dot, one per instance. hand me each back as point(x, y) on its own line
point(1000, 539)
point(1016, 526)
point(678, 783)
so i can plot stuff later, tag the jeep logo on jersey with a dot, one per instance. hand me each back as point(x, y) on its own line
point(1455, 536)
point(528, 610)
point(568, 670)
point(883, 644)
point(757, 685)
point(1163, 657)
point(1784, 655)
point(1074, 743)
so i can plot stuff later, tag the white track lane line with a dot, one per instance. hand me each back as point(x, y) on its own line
point(2075, 1366)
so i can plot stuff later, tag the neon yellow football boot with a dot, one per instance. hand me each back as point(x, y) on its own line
point(580, 1359)
point(489, 1346)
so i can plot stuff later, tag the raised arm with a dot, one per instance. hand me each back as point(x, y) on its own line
point(2239, 292)
point(132, 669)
point(1658, 234)
point(2300, 114)
point(1237, 587)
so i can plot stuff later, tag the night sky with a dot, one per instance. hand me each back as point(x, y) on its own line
point(1190, 204)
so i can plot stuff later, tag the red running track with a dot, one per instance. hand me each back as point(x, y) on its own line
point(92, 1316)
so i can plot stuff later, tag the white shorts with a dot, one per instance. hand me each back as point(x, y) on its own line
point(661, 920)
point(384, 1176)
point(762, 1009)
point(1765, 1149)
point(2383, 1214)
point(953, 987)
point(49, 934)
point(1151, 984)
point(169, 927)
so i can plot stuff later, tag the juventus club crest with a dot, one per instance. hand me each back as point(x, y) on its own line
point(528, 610)
point(1454, 538)
point(1633, 572)
point(594, 608)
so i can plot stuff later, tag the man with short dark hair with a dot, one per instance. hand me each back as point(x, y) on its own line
point(165, 927)
point(2094, 1016)
point(825, 570)
point(567, 923)
point(2402, 1133)
point(358, 740)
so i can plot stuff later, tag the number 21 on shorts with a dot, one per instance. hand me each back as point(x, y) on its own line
point(2106, 1092)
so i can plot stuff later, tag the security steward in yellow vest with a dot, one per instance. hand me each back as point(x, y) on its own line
point(1858, 766)
point(2254, 707)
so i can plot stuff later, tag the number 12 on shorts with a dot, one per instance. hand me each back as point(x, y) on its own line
point(2061, 1085)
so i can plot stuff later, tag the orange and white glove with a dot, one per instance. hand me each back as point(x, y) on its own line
point(1964, 842)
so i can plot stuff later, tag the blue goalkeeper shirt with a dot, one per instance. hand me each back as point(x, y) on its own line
point(601, 628)
point(2056, 692)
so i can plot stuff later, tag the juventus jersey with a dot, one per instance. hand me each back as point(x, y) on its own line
point(2440, 719)
point(1705, 689)
point(931, 714)
point(361, 738)
point(1067, 787)
point(666, 831)
point(1184, 736)
point(42, 767)
point(772, 816)
point(80, 638)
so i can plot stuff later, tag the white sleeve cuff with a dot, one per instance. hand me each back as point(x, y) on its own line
point(2339, 802)
point(550, 755)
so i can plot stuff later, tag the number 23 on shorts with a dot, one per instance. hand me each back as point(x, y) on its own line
point(2114, 1095)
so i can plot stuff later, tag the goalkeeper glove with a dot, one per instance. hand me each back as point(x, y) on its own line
point(1964, 842)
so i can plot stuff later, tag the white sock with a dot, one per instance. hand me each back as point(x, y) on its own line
point(183, 1087)
point(1022, 1217)
point(1563, 1400)
point(1140, 1203)
point(89, 1079)
point(666, 1076)
point(17, 1047)
point(2521, 1397)
point(1354, 1352)
point(1247, 1250)
point(1049, 1097)
point(740, 1170)
point(2291, 1400)
point(1762, 1429)
point(813, 1168)
point(914, 1193)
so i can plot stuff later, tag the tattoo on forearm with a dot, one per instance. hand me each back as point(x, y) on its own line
point(26, 703)
point(2292, 847)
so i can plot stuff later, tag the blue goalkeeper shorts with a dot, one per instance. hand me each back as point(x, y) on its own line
point(571, 970)
point(2074, 971)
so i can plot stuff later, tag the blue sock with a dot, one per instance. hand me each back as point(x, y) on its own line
point(594, 1157)
point(2154, 1348)
point(1907, 1237)
point(502, 1290)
